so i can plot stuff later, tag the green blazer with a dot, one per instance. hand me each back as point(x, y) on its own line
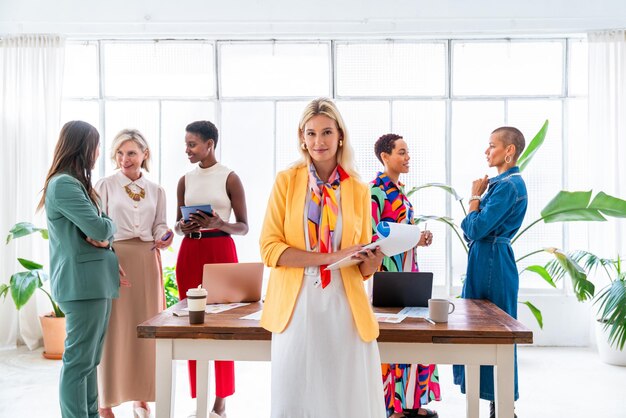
point(78, 270)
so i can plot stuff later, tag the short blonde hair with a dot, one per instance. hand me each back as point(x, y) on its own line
point(130, 135)
point(345, 153)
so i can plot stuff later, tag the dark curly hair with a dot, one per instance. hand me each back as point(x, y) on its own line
point(385, 143)
point(204, 129)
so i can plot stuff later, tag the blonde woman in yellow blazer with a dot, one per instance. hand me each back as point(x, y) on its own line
point(325, 359)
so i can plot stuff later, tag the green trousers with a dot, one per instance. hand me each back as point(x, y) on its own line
point(86, 322)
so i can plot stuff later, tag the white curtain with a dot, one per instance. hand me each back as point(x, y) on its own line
point(31, 76)
point(607, 132)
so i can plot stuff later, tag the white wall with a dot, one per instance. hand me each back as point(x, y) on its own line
point(321, 18)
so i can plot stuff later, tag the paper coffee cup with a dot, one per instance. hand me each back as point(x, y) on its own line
point(196, 302)
point(439, 309)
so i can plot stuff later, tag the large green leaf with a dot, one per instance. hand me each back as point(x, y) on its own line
point(533, 147)
point(570, 206)
point(29, 264)
point(536, 313)
point(583, 288)
point(23, 285)
point(543, 273)
point(22, 229)
point(609, 205)
point(442, 186)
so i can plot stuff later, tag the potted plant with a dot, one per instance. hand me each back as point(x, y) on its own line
point(564, 207)
point(610, 300)
point(22, 286)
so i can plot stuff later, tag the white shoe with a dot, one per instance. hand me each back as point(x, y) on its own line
point(141, 413)
point(214, 414)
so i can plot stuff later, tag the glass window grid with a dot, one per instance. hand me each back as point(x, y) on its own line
point(449, 98)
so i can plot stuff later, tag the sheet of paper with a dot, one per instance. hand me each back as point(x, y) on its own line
point(256, 316)
point(414, 312)
point(398, 239)
point(212, 308)
point(221, 307)
point(389, 317)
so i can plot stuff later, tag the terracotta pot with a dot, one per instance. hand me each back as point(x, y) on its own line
point(608, 354)
point(53, 336)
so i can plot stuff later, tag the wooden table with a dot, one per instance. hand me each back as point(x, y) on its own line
point(478, 333)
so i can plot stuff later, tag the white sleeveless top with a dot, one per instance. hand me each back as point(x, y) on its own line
point(208, 186)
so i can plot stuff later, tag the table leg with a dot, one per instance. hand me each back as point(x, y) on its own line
point(472, 390)
point(504, 379)
point(202, 388)
point(165, 385)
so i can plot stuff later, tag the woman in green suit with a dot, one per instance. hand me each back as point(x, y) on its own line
point(84, 271)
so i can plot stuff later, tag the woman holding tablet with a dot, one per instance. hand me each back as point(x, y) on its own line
point(208, 236)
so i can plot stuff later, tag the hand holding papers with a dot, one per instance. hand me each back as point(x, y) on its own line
point(395, 239)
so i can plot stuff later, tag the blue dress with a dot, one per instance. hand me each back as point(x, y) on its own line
point(491, 270)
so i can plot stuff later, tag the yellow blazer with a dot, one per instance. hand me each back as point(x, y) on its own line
point(284, 227)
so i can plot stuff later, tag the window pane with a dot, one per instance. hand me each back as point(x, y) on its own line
point(472, 122)
point(160, 68)
point(578, 68)
point(544, 179)
point(80, 73)
point(143, 116)
point(507, 68)
point(365, 122)
point(287, 118)
point(422, 125)
point(245, 151)
point(274, 69)
point(391, 69)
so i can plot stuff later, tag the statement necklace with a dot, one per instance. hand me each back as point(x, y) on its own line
point(135, 196)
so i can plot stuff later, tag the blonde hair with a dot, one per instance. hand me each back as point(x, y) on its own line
point(130, 135)
point(345, 154)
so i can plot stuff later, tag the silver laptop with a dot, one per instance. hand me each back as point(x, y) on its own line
point(233, 282)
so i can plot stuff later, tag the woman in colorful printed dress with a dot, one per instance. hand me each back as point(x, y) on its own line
point(407, 387)
point(325, 360)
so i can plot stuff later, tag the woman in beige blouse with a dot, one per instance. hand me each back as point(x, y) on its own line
point(137, 206)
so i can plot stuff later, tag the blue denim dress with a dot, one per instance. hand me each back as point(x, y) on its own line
point(491, 270)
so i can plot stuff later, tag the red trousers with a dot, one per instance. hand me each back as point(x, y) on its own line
point(192, 256)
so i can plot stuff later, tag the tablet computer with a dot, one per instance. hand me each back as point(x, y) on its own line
point(187, 210)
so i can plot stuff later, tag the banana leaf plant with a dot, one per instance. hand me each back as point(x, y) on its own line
point(22, 285)
point(564, 207)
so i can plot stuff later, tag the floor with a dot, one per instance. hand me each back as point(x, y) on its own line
point(554, 382)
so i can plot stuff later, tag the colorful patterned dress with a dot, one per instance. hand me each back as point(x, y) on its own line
point(407, 386)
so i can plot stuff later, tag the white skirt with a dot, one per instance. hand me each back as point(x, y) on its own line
point(320, 366)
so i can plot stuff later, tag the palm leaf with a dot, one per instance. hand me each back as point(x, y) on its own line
point(446, 220)
point(533, 147)
point(583, 288)
point(612, 311)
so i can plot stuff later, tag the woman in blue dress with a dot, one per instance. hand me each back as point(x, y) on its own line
point(492, 220)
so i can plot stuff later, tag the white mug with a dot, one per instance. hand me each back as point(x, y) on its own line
point(439, 309)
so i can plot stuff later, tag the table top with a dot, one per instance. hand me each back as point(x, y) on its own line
point(473, 322)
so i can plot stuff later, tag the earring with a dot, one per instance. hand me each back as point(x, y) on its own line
point(509, 159)
point(341, 142)
point(303, 146)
